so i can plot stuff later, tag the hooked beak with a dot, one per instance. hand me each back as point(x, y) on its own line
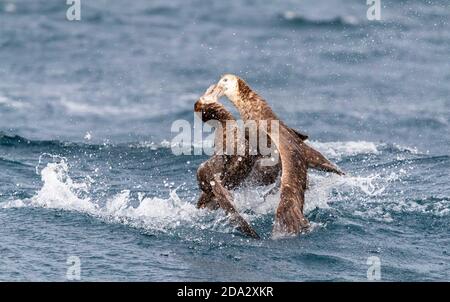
point(212, 94)
point(217, 91)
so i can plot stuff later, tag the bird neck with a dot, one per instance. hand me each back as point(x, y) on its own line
point(253, 107)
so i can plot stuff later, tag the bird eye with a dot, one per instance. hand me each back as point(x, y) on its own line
point(225, 80)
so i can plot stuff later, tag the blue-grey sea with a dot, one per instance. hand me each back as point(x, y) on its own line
point(86, 166)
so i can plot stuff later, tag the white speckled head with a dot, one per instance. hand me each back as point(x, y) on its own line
point(230, 86)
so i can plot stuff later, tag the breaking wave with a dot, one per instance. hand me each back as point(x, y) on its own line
point(334, 150)
point(60, 191)
point(293, 18)
point(362, 193)
point(10, 103)
point(353, 193)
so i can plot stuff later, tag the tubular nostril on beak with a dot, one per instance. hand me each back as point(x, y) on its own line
point(211, 95)
point(218, 91)
point(210, 89)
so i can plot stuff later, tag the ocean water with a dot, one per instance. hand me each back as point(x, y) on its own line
point(87, 171)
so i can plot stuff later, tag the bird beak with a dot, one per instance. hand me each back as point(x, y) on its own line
point(218, 91)
point(212, 94)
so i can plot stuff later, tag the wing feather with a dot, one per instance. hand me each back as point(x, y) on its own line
point(289, 218)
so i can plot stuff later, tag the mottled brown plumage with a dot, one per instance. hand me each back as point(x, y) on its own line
point(295, 155)
point(223, 172)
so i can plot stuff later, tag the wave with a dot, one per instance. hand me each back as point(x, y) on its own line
point(9, 103)
point(293, 18)
point(337, 150)
point(9, 162)
point(78, 108)
point(60, 191)
point(334, 150)
point(153, 214)
point(160, 11)
point(356, 195)
point(387, 210)
point(145, 110)
point(9, 8)
point(31, 7)
point(15, 140)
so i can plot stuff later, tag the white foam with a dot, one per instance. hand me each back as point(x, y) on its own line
point(123, 107)
point(59, 191)
point(165, 144)
point(363, 190)
point(147, 145)
point(153, 213)
point(11, 103)
point(10, 7)
point(365, 196)
point(412, 150)
point(333, 150)
point(104, 109)
point(337, 150)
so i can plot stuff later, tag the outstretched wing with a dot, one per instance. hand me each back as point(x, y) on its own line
point(317, 161)
point(289, 217)
point(314, 158)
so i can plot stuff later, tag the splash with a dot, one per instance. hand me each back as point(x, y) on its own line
point(319, 192)
point(153, 214)
point(60, 191)
point(361, 195)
